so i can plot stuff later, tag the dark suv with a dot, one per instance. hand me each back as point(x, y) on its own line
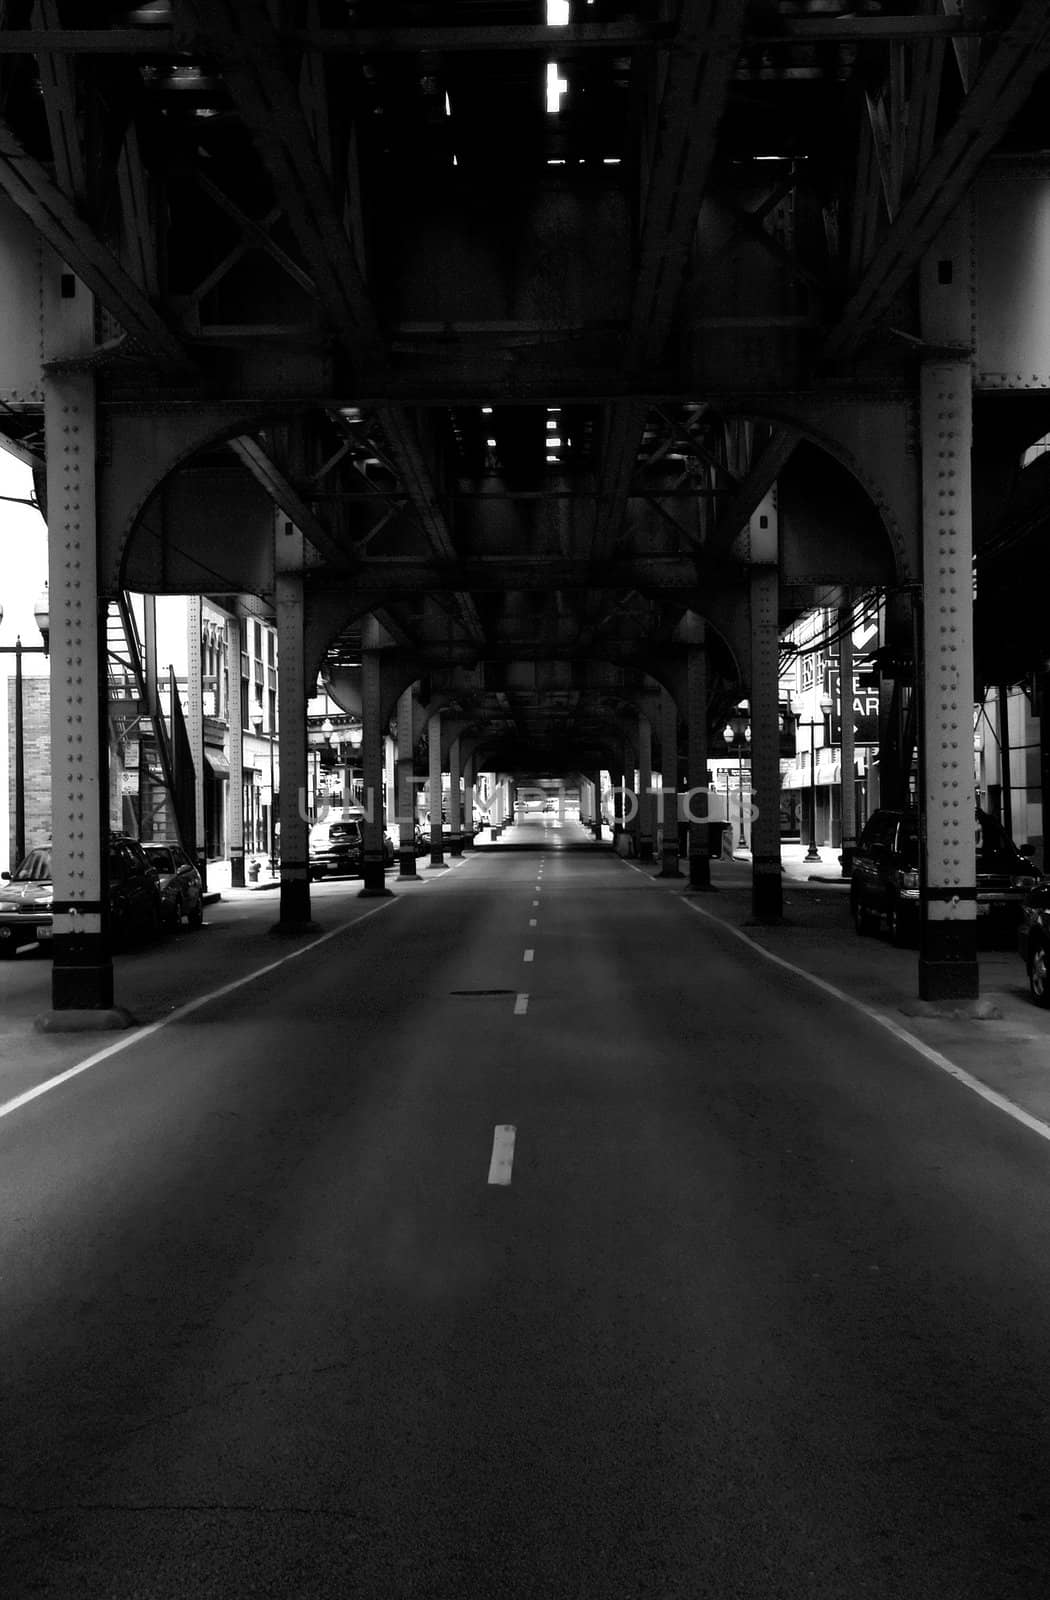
point(885, 876)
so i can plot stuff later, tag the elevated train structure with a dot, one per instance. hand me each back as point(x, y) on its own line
point(533, 367)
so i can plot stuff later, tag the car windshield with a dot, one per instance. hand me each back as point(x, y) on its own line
point(36, 868)
point(343, 833)
point(161, 859)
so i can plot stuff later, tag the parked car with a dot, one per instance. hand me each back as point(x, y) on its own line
point(134, 897)
point(884, 883)
point(1033, 941)
point(337, 848)
point(25, 903)
point(181, 888)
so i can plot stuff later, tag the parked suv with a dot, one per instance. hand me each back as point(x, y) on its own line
point(885, 877)
point(337, 848)
point(134, 897)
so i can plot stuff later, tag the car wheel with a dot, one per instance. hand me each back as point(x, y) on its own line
point(175, 916)
point(863, 920)
point(1039, 975)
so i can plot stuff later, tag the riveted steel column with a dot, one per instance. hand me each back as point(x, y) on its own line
point(468, 801)
point(292, 780)
point(948, 966)
point(948, 894)
point(669, 784)
point(82, 975)
point(437, 842)
point(406, 789)
point(235, 636)
point(645, 784)
point(195, 726)
point(766, 887)
point(455, 842)
point(373, 871)
point(696, 715)
point(847, 778)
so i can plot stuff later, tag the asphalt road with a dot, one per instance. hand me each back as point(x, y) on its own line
point(762, 1311)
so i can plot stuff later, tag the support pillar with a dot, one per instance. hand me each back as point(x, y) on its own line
point(455, 843)
point(948, 889)
point(235, 635)
point(373, 869)
point(437, 840)
point(82, 974)
point(195, 729)
point(847, 774)
point(468, 802)
point(767, 896)
point(948, 967)
point(645, 784)
point(669, 867)
point(1005, 782)
point(295, 917)
point(406, 789)
point(696, 766)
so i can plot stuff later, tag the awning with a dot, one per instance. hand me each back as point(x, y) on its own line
point(220, 767)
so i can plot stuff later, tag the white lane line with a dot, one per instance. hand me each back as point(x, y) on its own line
point(535, 902)
point(532, 922)
point(936, 1059)
point(528, 955)
point(136, 1035)
point(521, 1005)
point(502, 1162)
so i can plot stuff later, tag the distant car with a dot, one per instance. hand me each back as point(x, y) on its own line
point(134, 897)
point(181, 888)
point(885, 877)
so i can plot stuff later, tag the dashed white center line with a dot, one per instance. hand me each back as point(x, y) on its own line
point(521, 1005)
point(528, 955)
point(532, 922)
point(535, 902)
point(502, 1162)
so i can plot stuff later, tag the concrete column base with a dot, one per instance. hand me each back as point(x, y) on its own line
point(237, 872)
point(767, 890)
point(493, 834)
point(437, 866)
point(646, 850)
point(295, 909)
point(699, 872)
point(455, 845)
point(84, 985)
point(407, 864)
point(948, 968)
point(75, 1021)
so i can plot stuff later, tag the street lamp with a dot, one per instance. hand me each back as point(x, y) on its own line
point(737, 735)
point(18, 650)
point(813, 854)
point(257, 724)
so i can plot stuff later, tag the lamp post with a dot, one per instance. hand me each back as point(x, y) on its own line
point(736, 734)
point(18, 650)
point(813, 854)
point(257, 724)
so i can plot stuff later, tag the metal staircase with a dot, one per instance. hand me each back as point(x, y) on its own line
point(139, 735)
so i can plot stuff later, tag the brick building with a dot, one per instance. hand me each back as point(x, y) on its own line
point(36, 735)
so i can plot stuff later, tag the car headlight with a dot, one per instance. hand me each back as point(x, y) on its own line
point(908, 884)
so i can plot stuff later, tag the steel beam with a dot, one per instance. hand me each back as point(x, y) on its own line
point(1021, 56)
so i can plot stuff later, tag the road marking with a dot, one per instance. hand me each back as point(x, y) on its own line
point(521, 1005)
point(502, 1154)
point(136, 1035)
point(532, 922)
point(936, 1059)
point(528, 955)
point(535, 902)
